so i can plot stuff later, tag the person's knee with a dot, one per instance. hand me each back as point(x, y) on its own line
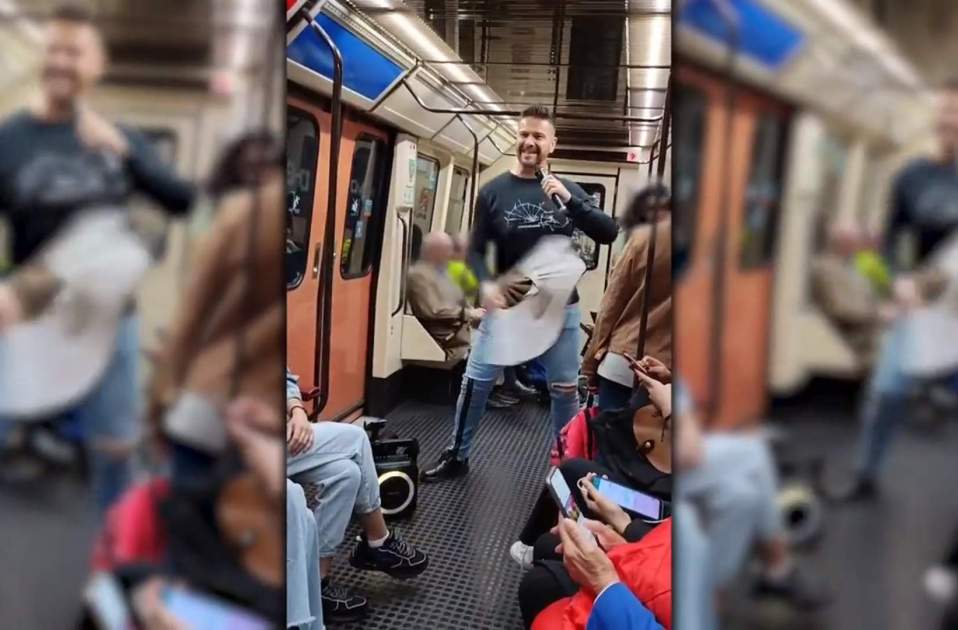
point(566, 391)
point(343, 477)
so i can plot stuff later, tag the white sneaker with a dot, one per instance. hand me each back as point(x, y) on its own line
point(941, 584)
point(522, 554)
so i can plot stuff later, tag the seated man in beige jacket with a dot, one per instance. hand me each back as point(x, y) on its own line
point(846, 297)
point(437, 301)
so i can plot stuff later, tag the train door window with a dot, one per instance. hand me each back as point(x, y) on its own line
point(689, 124)
point(302, 148)
point(457, 200)
point(363, 208)
point(833, 156)
point(763, 193)
point(427, 182)
point(588, 249)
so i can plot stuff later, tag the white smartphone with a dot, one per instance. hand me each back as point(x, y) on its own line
point(640, 503)
point(562, 495)
point(204, 612)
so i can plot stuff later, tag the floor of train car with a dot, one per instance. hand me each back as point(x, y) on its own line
point(872, 555)
point(466, 526)
point(46, 530)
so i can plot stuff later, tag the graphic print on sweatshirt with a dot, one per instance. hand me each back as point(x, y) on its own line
point(526, 215)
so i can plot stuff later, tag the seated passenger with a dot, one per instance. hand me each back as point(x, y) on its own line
point(617, 326)
point(535, 543)
point(339, 458)
point(437, 301)
point(847, 297)
point(726, 504)
point(620, 585)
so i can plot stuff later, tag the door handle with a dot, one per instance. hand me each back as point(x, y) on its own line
point(316, 252)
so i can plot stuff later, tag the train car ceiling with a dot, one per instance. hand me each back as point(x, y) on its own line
point(838, 62)
point(497, 57)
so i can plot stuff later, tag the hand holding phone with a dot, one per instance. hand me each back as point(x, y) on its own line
point(586, 563)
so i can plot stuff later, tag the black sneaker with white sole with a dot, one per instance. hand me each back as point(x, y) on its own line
point(341, 604)
point(396, 558)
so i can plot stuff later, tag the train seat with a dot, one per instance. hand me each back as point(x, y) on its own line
point(418, 345)
point(824, 348)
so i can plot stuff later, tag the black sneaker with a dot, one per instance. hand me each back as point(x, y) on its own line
point(798, 588)
point(341, 604)
point(495, 401)
point(396, 558)
point(858, 489)
point(448, 467)
point(521, 390)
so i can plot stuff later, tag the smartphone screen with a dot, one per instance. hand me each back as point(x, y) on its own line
point(203, 612)
point(567, 505)
point(632, 500)
point(563, 495)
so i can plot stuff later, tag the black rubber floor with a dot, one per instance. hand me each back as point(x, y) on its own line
point(46, 531)
point(466, 526)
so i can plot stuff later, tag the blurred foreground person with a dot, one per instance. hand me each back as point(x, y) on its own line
point(925, 207)
point(217, 523)
point(57, 159)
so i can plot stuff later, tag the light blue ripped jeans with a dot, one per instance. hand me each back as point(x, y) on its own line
point(340, 461)
point(561, 362)
point(885, 403)
point(110, 413)
point(304, 603)
point(722, 508)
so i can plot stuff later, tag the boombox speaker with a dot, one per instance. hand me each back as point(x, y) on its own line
point(397, 464)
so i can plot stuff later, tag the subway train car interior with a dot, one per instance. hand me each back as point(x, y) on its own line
point(390, 142)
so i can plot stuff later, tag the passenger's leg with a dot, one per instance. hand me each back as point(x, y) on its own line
point(612, 395)
point(110, 416)
point(304, 608)
point(542, 586)
point(562, 366)
point(696, 608)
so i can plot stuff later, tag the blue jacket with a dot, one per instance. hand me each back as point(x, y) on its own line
point(616, 608)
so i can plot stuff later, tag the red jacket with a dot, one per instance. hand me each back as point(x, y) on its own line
point(644, 567)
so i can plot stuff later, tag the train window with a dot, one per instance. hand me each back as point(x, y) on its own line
point(689, 124)
point(833, 155)
point(457, 200)
point(302, 148)
point(427, 182)
point(366, 181)
point(763, 193)
point(588, 249)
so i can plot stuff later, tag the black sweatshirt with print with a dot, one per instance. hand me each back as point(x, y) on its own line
point(514, 213)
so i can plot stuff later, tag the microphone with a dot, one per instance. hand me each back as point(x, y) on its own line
point(540, 175)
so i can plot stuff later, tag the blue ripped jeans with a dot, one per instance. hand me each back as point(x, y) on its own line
point(561, 362)
point(110, 414)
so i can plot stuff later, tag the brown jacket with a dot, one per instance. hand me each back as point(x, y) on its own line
point(620, 314)
point(439, 304)
point(224, 298)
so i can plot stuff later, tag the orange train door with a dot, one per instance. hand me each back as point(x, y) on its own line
point(745, 166)
point(360, 200)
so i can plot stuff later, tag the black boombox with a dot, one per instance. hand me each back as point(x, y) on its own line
point(397, 464)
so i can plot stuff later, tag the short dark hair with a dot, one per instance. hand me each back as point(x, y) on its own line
point(537, 111)
point(236, 168)
point(645, 201)
point(76, 12)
